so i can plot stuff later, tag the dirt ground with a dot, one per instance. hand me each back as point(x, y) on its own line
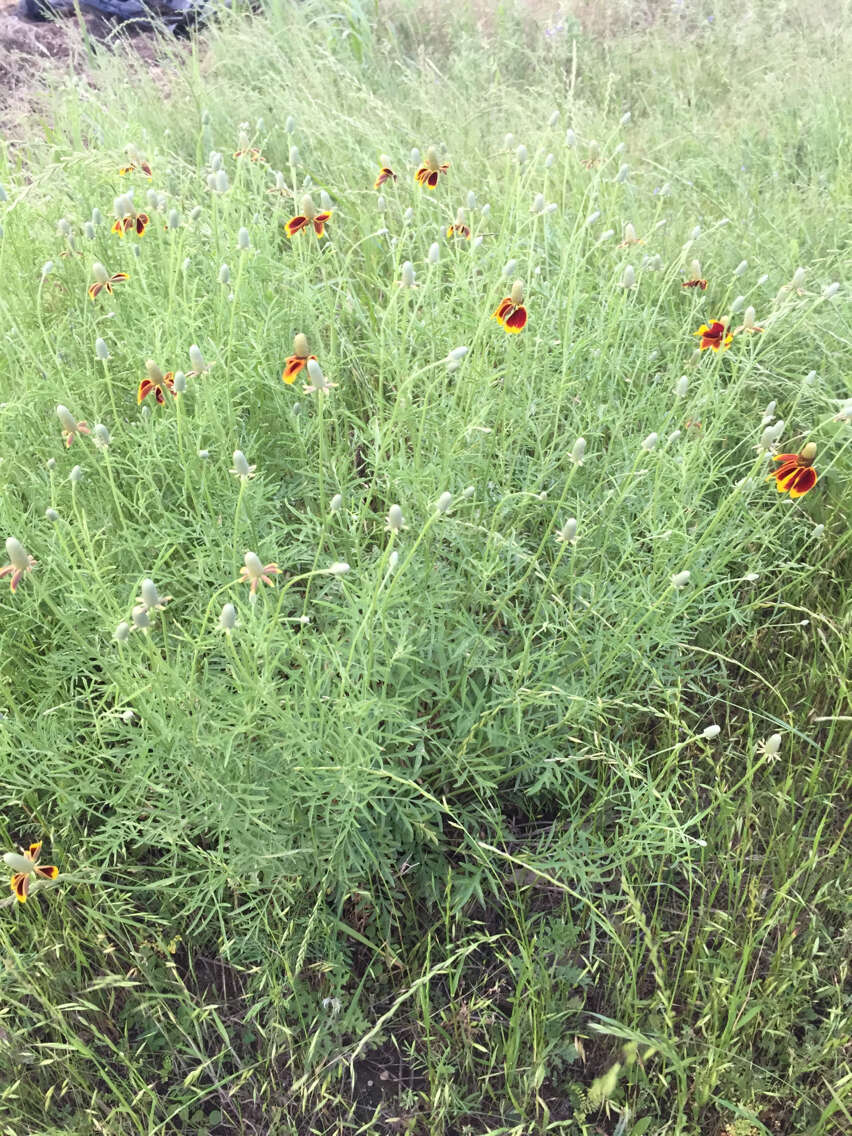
point(28, 48)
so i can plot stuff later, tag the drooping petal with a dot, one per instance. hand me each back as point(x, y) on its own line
point(421, 175)
point(33, 851)
point(516, 320)
point(786, 458)
point(784, 481)
point(432, 179)
point(319, 223)
point(293, 365)
point(95, 288)
point(118, 227)
point(295, 225)
point(15, 580)
point(118, 277)
point(20, 886)
point(141, 223)
point(47, 871)
point(805, 480)
point(145, 388)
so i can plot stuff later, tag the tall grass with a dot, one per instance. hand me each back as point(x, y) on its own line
point(445, 842)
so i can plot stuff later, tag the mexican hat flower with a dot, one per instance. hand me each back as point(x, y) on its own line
point(19, 562)
point(156, 383)
point(428, 173)
point(697, 282)
point(70, 428)
point(128, 220)
point(135, 161)
point(715, 335)
point(796, 474)
point(511, 313)
point(25, 867)
point(298, 360)
point(308, 216)
point(103, 281)
point(254, 572)
point(459, 228)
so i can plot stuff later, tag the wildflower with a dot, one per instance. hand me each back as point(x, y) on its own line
point(70, 428)
point(122, 632)
point(628, 277)
point(25, 867)
point(308, 216)
point(150, 598)
point(385, 174)
point(650, 442)
point(798, 280)
point(241, 467)
point(76, 475)
point(395, 522)
point(434, 254)
point(796, 474)
point(319, 384)
point(224, 274)
point(444, 502)
point(88, 230)
point(199, 365)
point(459, 228)
point(179, 384)
point(336, 503)
point(511, 313)
point(594, 157)
point(818, 531)
point(127, 218)
point(570, 138)
point(338, 568)
point(141, 619)
point(253, 573)
point(228, 618)
point(715, 335)
point(52, 516)
point(155, 383)
point(428, 173)
point(298, 360)
point(579, 451)
point(101, 436)
point(20, 562)
point(710, 732)
point(695, 280)
point(681, 579)
point(455, 357)
point(381, 203)
point(630, 237)
point(103, 280)
point(243, 239)
point(568, 533)
point(135, 162)
point(521, 155)
point(682, 386)
point(748, 323)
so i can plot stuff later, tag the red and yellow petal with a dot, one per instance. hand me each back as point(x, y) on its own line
point(432, 179)
point(503, 308)
point(384, 174)
point(319, 223)
point(20, 885)
point(293, 365)
point(421, 175)
point(118, 227)
point(95, 288)
point(47, 871)
point(118, 277)
point(516, 319)
point(146, 170)
point(295, 225)
point(805, 479)
point(141, 223)
point(786, 458)
point(33, 851)
point(145, 388)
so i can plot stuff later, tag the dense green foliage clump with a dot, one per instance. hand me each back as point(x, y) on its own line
point(521, 807)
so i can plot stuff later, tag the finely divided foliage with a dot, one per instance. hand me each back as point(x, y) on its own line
point(485, 768)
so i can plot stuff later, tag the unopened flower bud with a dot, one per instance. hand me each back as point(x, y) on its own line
point(434, 253)
point(393, 560)
point(66, 418)
point(798, 278)
point(414, 156)
point(243, 239)
point(485, 211)
point(650, 442)
point(339, 568)
point(570, 138)
point(101, 436)
point(682, 386)
point(592, 217)
point(336, 503)
point(579, 451)
point(51, 464)
point(224, 274)
point(46, 268)
point(554, 118)
point(141, 619)
point(818, 531)
point(195, 213)
point(749, 316)
point(830, 290)
point(122, 632)
point(150, 595)
point(521, 154)
point(710, 732)
point(737, 305)
point(772, 745)
point(289, 124)
point(681, 579)
point(408, 274)
point(241, 465)
point(228, 618)
point(568, 533)
point(444, 502)
point(97, 217)
point(179, 382)
point(625, 118)
point(325, 201)
point(381, 204)
point(538, 203)
point(548, 161)
point(76, 475)
point(628, 277)
point(468, 493)
point(52, 515)
point(741, 267)
point(222, 182)
point(623, 173)
point(395, 519)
